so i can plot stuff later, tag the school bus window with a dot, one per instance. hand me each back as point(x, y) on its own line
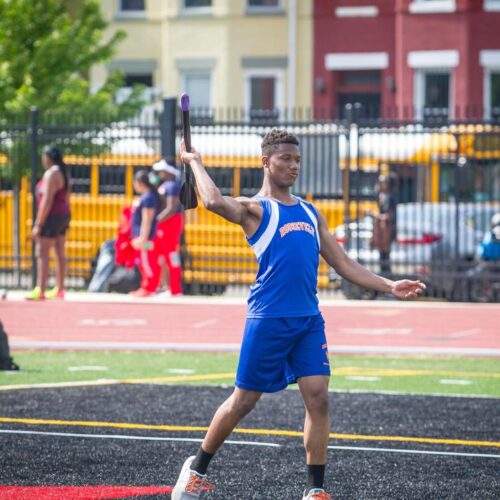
point(111, 179)
point(251, 181)
point(223, 178)
point(362, 184)
point(468, 182)
point(80, 179)
point(485, 183)
point(446, 181)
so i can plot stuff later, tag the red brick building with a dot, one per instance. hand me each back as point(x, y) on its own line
point(408, 58)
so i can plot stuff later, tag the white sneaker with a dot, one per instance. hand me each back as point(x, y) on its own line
point(190, 484)
point(316, 494)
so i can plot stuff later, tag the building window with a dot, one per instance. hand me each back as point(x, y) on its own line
point(197, 4)
point(433, 95)
point(432, 6)
point(492, 5)
point(264, 6)
point(198, 86)
point(196, 7)
point(264, 94)
point(359, 86)
point(132, 5)
point(150, 93)
point(493, 95)
point(146, 79)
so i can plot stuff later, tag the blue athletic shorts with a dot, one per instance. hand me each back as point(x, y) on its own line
point(276, 352)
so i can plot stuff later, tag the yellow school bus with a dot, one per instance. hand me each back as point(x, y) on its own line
point(215, 252)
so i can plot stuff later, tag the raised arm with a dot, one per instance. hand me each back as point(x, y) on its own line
point(242, 211)
point(354, 272)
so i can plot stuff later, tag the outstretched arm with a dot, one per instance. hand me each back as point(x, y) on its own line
point(354, 272)
point(243, 211)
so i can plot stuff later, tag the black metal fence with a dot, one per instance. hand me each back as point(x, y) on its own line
point(444, 183)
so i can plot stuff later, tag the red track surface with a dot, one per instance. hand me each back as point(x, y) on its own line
point(79, 492)
point(363, 327)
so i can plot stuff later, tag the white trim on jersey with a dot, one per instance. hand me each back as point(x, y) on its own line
point(313, 218)
point(259, 247)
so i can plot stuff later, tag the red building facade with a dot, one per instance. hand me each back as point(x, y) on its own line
point(408, 58)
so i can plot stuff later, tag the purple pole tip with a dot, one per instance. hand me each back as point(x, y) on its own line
point(185, 102)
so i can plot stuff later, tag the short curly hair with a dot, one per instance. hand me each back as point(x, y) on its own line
point(274, 138)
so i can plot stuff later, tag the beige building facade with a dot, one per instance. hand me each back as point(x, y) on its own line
point(255, 55)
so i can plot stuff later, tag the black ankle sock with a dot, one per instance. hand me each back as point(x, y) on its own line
point(315, 476)
point(201, 461)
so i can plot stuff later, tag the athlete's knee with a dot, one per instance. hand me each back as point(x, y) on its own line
point(241, 405)
point(316, 401)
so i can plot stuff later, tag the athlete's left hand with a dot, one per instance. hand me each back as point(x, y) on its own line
point(407, 289)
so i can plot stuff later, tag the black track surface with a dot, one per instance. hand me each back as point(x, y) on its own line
point(247, 472)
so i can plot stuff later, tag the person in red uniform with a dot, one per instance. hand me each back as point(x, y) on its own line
point(170, 223)
point(143, 224)
point(52, 220)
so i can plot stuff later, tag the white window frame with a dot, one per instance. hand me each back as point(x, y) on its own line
point(365, 11)
point(432, 6)
point(196, 11)
point(490, 61)
point(190, 72)
point(279, 91)
point(272, 9)
point(491, 5)
point(131, 13)
point(419, 90)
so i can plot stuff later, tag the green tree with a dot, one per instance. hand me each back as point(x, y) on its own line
point(46, 53)
point(47, 48)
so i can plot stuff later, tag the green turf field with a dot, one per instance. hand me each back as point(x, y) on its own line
point(414, 375)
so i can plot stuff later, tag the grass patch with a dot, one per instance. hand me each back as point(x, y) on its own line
point(412, 375)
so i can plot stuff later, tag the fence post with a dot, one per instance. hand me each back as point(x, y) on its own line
point(16, 226)
point(347, 171)
point(168, 126)
point(33, 164)
point(356, 118)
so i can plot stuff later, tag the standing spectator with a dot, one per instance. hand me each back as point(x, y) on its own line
point(384, 224)
point(144, 214)
point(51, 223)
point(170, 224)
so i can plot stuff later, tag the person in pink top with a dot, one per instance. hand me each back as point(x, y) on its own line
point(52, 220)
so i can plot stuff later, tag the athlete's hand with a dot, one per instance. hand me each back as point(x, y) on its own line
point(407, 289)
point(189, 157)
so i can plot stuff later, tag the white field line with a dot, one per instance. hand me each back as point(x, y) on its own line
point(202, 324)
point(244, 443)
point(90, 383)
point(136, 438)
point(376, 331)
point(362, 378)
point(415, 452)
point(465, 333)
point(233, 347)
point(55, 385)
point(89, 368)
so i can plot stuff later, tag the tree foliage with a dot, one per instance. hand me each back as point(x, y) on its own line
point(45, 55)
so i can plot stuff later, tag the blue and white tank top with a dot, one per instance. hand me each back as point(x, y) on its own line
point(287, 248)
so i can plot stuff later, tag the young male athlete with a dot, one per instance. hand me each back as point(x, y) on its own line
point(284, 339)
